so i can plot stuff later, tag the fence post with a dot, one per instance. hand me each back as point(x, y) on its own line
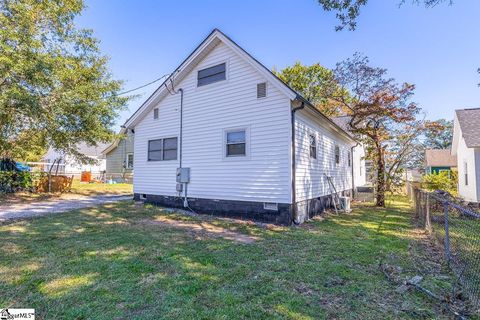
point(427, 214)
point(447, 234)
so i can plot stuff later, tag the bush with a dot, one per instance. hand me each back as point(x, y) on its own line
point(444, 180)
point(12, 179)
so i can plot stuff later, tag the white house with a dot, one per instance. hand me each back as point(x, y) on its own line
point(466, 146)
point(69, 166)
point(119, 157)
point(223, 135)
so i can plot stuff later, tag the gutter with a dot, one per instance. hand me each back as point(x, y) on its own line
point(294, 208)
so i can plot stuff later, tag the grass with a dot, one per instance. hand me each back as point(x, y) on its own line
point(124, 261)
point(80, 188)
point(100, 188)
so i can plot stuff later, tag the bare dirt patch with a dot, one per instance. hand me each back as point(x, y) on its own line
point(202, 228)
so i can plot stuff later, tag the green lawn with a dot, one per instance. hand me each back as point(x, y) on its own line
point(87, 189)
point(100, 188)
point(133, 262)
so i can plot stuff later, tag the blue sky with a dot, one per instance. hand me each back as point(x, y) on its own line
point(437, 49)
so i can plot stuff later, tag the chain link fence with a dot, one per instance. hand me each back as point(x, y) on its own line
point(456, 227)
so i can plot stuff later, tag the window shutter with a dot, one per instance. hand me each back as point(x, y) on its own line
point(261, 90)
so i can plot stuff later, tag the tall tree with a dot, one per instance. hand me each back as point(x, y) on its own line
point(312, 82)
point(438, 134)
point(380, 114)
point(55, 88)
point(347, 11)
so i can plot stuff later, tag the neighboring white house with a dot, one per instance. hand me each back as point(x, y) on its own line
point(247, 144)
point(119, 158)
point(466, 146)
point(70, 166)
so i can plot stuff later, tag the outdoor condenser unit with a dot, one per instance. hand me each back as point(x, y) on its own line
point(345, 202)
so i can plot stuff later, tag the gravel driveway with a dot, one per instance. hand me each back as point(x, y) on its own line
point(67, 203)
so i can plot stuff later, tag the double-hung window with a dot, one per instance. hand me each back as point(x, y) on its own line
point(465, 167)
point(162, 149)
point(212, 74)
point(313, 146)
point(236, 143)
point(129, 161)
point(337, 154)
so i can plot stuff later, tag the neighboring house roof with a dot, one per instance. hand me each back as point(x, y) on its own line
point(469, 120)
point(214, 38)
point(92, 151)
point(439, 158)
point(83, 148)
point(114, 144)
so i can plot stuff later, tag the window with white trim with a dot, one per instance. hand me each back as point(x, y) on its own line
point(162, 149)
point(349, 158)
point(155, 113)
point(465, 168)
point(129, 161)
point(313, 146)
point(212, 74)
point(337, 154)
point(236, 143)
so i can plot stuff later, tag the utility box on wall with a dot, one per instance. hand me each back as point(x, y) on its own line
point(183, 175)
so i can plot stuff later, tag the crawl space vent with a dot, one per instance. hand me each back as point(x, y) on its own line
point(270, 206)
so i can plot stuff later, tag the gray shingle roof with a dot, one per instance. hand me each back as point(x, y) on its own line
point(344, 123)
point(439, 158)
point(469, 120)
point(93, 151)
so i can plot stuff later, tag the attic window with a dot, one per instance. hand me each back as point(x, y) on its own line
point(211, 75)
point(261, 90)
point(155, 113)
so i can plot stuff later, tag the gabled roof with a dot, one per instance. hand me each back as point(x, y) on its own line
point(439, 158)
point(469, 121)
point(205, 47)
point(115, 143)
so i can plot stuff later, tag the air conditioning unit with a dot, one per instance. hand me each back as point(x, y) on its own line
point(345, 203)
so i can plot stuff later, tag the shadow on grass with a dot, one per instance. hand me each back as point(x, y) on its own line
point(105, 263)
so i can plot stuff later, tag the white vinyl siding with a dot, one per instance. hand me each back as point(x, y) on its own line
point(467, 158)
point(263, 176)
point(310, 173)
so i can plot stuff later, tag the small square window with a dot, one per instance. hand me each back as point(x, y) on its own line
point(155, 113)
point(313, 146)
point(236, 143)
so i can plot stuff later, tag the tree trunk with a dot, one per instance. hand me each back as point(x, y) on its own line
point(380, 179)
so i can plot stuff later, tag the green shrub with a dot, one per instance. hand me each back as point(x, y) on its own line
point(444, 180)
point(12, 181)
